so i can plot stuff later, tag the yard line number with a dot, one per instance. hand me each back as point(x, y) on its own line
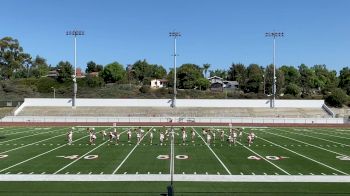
point(166, 156)
point(271, 158)
point(87, 157)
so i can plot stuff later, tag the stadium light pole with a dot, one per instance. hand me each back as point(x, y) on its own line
point(274, 35)
point(75, 33)
point(175, 35)
point(54, 92)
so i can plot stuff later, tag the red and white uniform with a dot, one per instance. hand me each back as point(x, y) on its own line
point(193, 134)
point(250, 139)
point(161, 138)
point(129, 135)
point(70, 137)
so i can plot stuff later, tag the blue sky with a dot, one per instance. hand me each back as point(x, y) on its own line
point(218, 32)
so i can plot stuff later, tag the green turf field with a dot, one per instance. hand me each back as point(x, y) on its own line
point(281, 161)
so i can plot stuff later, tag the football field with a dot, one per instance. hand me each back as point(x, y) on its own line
point(281, 161)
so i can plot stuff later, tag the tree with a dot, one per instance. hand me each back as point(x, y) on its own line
point(344, 79)
point(291, 74)
point(12, 58)
point(188, 74)
point(307, 78)
point(206, 66)
point(337, 98)
point(324, 80)
point(254, 79)
point(39, 67)
point(219, 72)
point(202, 83)
point(292, 89)
point(113, 72)
point(237, 73)
point(91, 66)
point(143, 71)
point(65, 71)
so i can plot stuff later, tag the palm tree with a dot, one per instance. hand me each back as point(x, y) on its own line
point(205, 68)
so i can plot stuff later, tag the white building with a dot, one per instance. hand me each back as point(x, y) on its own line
point(158, 83)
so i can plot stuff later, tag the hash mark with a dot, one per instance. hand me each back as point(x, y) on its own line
point(218, 173)
point(312, 174)
point(300, 174)
point(125, 172)
point(101, 173)
point(67, 173)
point(276, 174)
point(242, 173)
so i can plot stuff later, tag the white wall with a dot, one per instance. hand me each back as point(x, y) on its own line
point(175, 119)
point(247, 103)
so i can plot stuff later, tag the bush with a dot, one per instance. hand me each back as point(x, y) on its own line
point(145, 89)
point(337, 98)
point(44, 85)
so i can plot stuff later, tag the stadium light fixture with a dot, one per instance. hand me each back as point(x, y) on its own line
point(75, 33)
point(175, 35)
point(274, 35)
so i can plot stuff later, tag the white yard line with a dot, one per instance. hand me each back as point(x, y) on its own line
point(32, 143)
point(315, 138)
point(284, 171)
point(9, 129)
point(323, 164)
point(30, 135)
point(337, 153)
point(80, 157)
point(305, 130)
point(177, 178)
point(172, 163)
point(84, 155)
point(262, 157)
point(227, 170)
point(39, 155)
point(132, 150)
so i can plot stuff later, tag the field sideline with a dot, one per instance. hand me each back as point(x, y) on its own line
point(283, 155)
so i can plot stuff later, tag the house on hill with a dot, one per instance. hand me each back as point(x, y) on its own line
point(219, 84)
point(159, 83)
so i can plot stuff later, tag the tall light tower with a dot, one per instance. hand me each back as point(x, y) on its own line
point(175, 35)
point(274, 35)
point(75, 33)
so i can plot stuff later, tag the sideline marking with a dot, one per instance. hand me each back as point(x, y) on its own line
point(304, 156)
point(177, 177)
point(38, 156)
point(132, 150)
point(228, 171)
